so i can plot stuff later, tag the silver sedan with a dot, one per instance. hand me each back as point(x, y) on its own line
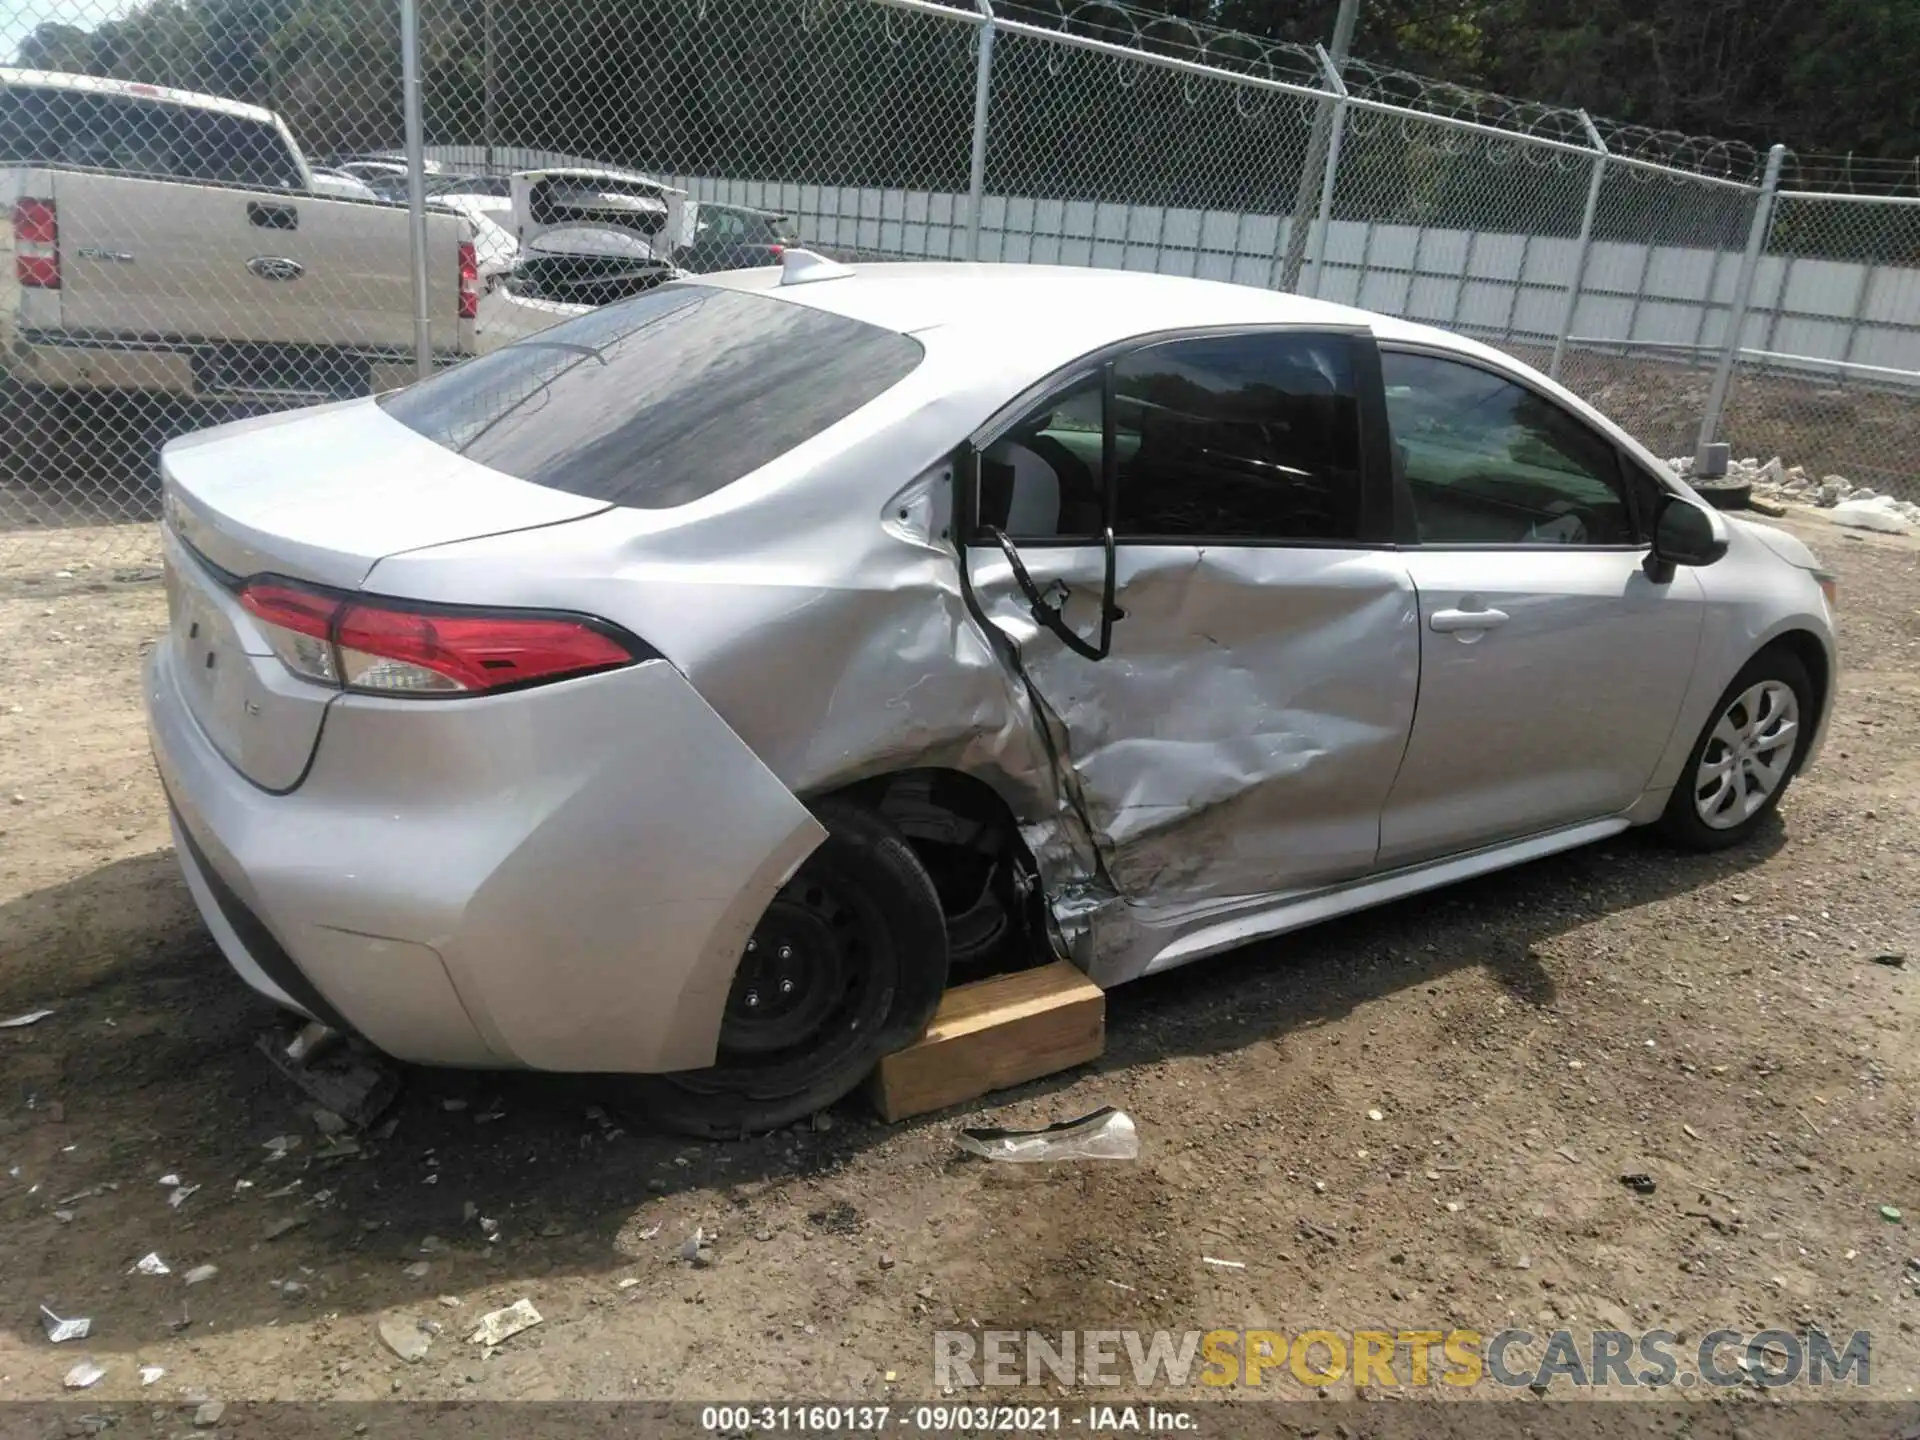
point(693, 690)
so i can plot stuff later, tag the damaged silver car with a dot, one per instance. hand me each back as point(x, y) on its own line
point(694, 689)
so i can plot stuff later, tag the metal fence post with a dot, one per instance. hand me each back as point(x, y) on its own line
point(1585, 246)
point(1331, 174)
point(489, 104)
point(416, 185)
point(1742, 297)
point(982, 103)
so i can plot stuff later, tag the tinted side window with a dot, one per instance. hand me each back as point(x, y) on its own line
point(658, 400)
point(1248, 437)
point(1489, 462)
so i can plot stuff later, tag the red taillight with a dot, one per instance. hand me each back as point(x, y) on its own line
point(301, 611)
point(473, 652)
point(36, 244)
point(395, 649)
point(469, 282)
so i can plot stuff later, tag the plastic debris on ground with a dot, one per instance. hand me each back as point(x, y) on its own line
point(1223, 1264)
point(1105, 1134)
point(151, 1373)
point(150, 1264)
point(201, 1272)
point(59, 1330)
point(499, 1325)
point(649, 1232)
point(180, 1195)
point(84, 1376)
point(696, 1251)
point(278, 1147)
point(1639, 1182)
point(18, 1022)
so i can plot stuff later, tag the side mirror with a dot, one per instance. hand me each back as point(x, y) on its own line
point(1683, 534)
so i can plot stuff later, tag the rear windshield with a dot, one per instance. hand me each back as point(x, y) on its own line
point(661, 399)
point(46, 125)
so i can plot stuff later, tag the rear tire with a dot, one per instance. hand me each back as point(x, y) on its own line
point(1746, 756)
point(847, 964)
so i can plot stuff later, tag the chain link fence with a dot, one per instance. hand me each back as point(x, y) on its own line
point(208, 209)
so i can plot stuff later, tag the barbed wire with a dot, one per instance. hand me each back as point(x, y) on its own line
point(1851, 175)
point(1242, 53)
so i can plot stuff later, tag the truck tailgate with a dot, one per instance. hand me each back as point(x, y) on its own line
point(172, 259)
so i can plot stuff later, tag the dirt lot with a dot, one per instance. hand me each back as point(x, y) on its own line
point(1720, 1024)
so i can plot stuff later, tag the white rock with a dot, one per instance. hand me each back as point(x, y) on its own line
point(1862, 493)
point(1880, 514)
point(1772, 473)
point(405, 1337)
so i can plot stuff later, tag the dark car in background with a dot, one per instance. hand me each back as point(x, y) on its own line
point(736, 237)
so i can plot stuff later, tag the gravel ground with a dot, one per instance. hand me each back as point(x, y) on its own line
point(1411, 1119)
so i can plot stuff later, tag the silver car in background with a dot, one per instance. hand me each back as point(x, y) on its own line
point(691, 690)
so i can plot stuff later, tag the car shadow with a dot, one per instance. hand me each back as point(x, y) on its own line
point(148, 1068)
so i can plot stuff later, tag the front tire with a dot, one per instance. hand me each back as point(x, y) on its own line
point(1746, 756)
point(846, 965)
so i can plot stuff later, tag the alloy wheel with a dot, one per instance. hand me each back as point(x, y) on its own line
point(1748, 755)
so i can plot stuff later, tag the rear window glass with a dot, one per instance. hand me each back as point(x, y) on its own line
point(44, 125)
point(661, 399)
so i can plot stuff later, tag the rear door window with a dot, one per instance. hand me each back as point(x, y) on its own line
point(661, 399)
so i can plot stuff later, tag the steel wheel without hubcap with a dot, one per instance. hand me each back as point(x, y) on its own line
point(802, 964)
point(1748, 754)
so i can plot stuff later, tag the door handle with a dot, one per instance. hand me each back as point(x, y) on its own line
point(272, 217)
point(1449, 622)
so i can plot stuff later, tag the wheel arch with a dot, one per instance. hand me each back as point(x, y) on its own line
point(1817, 661)
point(968, 832)
point(1799, 635)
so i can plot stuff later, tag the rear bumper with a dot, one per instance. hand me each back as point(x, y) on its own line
point(203, 370)
point(561, 879)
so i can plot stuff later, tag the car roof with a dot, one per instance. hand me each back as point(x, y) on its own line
point(1055, 313)
point(134, 89)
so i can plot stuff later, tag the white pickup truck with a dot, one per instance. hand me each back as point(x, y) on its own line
point(152, 239)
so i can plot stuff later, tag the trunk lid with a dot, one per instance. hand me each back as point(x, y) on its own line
point(317, 495)
point(322, 494)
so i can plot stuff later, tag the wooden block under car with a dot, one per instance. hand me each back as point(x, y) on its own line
point(991, 1034)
